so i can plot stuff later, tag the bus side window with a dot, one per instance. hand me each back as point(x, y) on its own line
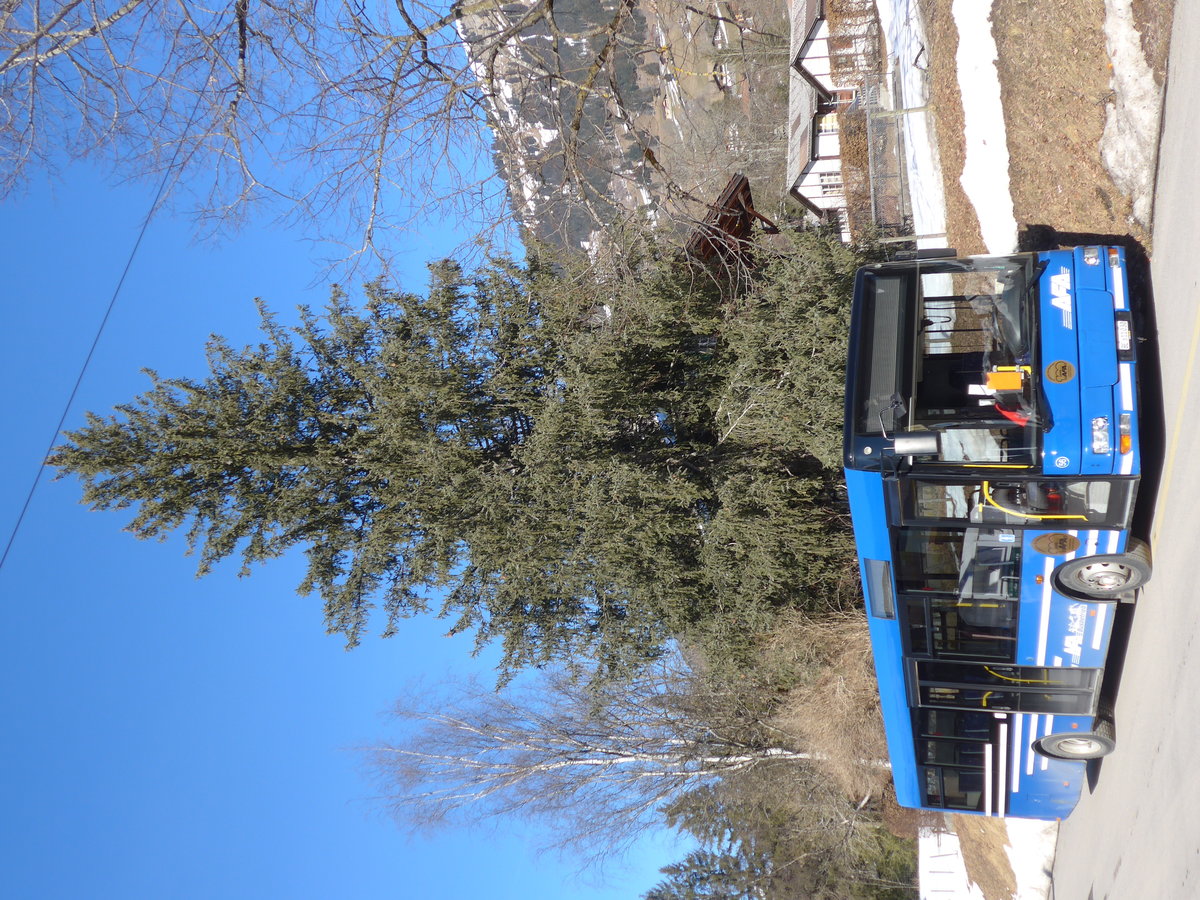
point(975, 630)
point(954, 723)
point(952, 788)
point(1026, 502)
point(928, 559)
point(949, 627)
point(933, 787)
point(998, 687)
point(963, 787)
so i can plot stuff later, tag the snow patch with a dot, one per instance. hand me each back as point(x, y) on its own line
point(941, 870)
point(1130, 139)
point(909, 61)
point(1030, 849)
point(985, 171)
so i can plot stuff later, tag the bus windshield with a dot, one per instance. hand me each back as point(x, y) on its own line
point(951, 351)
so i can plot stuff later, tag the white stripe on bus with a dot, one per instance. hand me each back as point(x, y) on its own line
point(1018, 721)
point(1044, 621)
point(1030, 756)
point(1003, 807)
point(1047, 730)
point(1098, 632)
point(987, 779)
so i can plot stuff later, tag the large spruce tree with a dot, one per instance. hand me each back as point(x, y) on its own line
point(558, 459)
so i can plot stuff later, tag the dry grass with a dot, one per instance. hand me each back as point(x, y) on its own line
point(982, 841)
point(962, 225)
point(834, 712)
point(1154, 19)
point(1054, 83)
point(1055, 116)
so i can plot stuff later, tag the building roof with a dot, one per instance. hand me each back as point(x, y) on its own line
point(728, 223)
point(802, 108)
point(805, 16)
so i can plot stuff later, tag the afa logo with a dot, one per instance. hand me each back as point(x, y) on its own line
point(1056, 544)
point(1073, 642)
point(1060, 297)
point(1060, 371)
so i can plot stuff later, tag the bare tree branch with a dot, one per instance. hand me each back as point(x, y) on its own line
point(64, 41)
point(352, 118)
point(598, 763)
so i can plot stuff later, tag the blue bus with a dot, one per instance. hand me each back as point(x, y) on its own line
point(992, 464)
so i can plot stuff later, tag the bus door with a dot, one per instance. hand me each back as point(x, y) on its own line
point(998, 687)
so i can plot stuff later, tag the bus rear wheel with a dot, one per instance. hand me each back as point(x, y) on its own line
point(1088, 745)
point(1105, 577)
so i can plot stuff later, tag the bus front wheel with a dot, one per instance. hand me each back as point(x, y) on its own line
point(1088, 745)
point(1107, 576)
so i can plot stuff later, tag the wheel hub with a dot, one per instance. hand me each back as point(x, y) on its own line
point(1080, 746)
point(1104, 576)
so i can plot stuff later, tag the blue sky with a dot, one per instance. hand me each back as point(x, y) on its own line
point(168, 737)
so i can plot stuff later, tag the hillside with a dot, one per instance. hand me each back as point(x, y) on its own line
point(619, 111)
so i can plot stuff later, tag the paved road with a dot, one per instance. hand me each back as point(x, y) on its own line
point(1136, 834)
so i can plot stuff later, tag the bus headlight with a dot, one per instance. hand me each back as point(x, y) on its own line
point(1100, 436)
point(1125, 431)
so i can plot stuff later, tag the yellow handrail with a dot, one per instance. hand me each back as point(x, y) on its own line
point(991, 501)
point(996, 674)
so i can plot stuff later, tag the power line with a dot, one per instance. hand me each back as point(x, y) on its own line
point(162, 188)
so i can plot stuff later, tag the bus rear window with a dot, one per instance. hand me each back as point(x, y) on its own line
point(954, 788)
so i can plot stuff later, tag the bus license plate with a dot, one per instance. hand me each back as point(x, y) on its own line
point(1124, 335)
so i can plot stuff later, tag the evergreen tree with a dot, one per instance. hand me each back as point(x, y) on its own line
point(568, 461)
point(361, 435)
point(714, 875)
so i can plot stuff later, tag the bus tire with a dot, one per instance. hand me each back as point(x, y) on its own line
point(1079, 746)
point(1105, 577)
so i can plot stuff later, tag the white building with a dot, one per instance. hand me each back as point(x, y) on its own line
point(814, 155)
